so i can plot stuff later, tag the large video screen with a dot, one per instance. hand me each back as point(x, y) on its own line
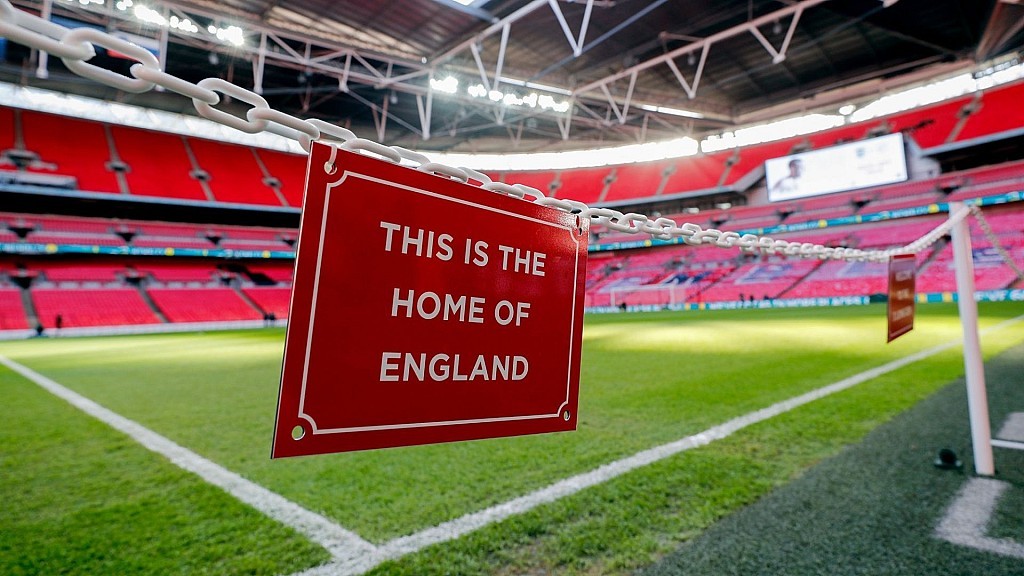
point(871, 162)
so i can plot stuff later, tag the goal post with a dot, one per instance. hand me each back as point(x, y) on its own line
point(650, 294)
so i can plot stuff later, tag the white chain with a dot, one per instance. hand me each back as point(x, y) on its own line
point(76, 47)
point(976, 211)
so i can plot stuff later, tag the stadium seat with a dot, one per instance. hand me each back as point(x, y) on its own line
point(81, 150)
point(202, 304)
point(1000, 111)
point(235, 175)
point(12, 313)
point(582, 184)
point(929, 126)
point(92, 307)
point(636, 181)
point(696, 173)
point(290, 172)
point(270, 299)
point(158, 164)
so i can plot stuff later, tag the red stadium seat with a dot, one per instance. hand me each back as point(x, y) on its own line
point(1000, 111)
point(81, 150)
point(235, 175)
point(88, 307)
point(696, 173)
point(202, 304)
point(289, 170)
point(271, 299)
point(583, 184)
point(158, 164)
point(930, 126)
point(12, 313)
point(636, 181)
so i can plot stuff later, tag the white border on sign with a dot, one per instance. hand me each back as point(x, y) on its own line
point(316, 290)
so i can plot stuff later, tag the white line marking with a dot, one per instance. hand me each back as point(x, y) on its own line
point(966, 521)
point(474, 521)
point(341, 543)
point(1013, 428)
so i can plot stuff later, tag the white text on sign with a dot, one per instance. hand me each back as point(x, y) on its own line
point(445, 307)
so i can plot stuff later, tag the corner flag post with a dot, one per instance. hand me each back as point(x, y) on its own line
point(974, 368)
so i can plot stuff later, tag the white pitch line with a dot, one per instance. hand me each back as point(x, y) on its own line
point(474, 521)
point(343, 545)
point(966, 521)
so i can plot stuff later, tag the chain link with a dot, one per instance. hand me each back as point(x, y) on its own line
point(976, 211)
point(76, 47)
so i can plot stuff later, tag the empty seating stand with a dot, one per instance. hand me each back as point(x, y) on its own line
point(290, 172)
point(1000, 111)
point(81, 272)
point(178, 272)
point(92, 307)
point(636, 181)
point(234, 173)
point(584, 184)
point(932, 125)
point(696, 173)
point(12, 313)
point(202, 304)
point(158, 164)
point(81, 149)
point(271, 299)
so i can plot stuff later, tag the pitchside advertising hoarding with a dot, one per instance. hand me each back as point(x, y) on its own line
point(871, 162)
point(427, 310)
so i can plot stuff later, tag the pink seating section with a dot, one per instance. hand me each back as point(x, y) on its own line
point(280, 273)
point(202, 304)
point(177, 272)
point(91, 272)
point(760, 279)
point(101, 232)
point(12, 313)
point(843, 279)
point(275, 300)
point(729, 275)
point(88, 307)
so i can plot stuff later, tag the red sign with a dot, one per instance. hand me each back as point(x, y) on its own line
point(427, 310)
point(902, 270)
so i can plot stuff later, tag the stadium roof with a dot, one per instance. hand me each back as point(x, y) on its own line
point(526, 75)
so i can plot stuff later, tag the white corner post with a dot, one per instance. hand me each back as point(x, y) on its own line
point(974, 367)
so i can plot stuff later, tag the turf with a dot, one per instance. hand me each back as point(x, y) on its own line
point(873, 508)
point(80, 498)
point(647, 379)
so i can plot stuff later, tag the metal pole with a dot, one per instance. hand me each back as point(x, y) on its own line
point(974, 368)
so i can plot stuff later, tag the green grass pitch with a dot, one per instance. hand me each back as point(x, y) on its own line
point(79, 498)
